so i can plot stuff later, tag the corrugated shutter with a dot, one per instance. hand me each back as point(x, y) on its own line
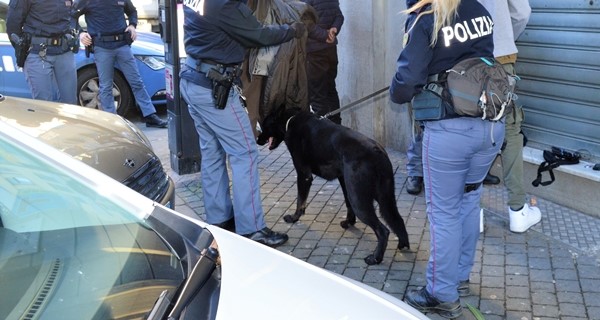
point(559, 63)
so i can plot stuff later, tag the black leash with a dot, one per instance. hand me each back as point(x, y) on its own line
point(553, 159)
point(352, 104)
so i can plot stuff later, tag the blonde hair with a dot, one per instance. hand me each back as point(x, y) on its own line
point(444, 12)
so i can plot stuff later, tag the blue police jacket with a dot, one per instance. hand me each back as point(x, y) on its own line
point(106, 18)
point(330, 16)
point(468, 36)
point(221, 30)
point(40, 18)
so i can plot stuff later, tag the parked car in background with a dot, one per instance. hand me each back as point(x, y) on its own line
point(102, 140)
point(75, 244)
point(148, 50)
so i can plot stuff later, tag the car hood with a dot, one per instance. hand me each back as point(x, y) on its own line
point(103, 140)
point(293, 289)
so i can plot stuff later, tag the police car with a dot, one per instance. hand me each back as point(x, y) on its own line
point(148, 50)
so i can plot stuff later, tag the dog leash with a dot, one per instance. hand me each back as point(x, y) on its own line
point(352, 104)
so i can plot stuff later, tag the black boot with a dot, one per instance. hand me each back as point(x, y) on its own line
point(491, 179)
point(152, 120)
point(414, 185)
point(424, 302)
point(268, 237)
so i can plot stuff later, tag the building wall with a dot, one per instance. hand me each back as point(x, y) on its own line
point(369, 44)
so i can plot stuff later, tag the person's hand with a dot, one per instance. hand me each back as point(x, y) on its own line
point(85, 38)
point(332, 35)
point(299, 29)
point(131, 30)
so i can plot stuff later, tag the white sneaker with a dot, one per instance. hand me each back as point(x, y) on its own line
point(481, 220)
point(524, 219)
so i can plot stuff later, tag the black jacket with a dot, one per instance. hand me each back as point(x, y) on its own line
point(470, 35)
point(221, 31)
point(330, 16)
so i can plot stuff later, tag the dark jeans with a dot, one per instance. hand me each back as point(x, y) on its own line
point(321, 72)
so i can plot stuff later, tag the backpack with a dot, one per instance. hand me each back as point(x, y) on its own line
point(480, 87)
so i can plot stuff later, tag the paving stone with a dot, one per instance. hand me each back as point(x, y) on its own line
point(520, 304)
point(571, 309)
point(545, 311)
point(517, 292)
point(544, 298)
point(570, 297)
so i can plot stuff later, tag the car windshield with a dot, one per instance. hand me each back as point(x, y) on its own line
point(69, 252)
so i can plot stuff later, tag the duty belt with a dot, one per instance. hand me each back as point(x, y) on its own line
point(205, 65)
point(49, 41)
point(112, 38)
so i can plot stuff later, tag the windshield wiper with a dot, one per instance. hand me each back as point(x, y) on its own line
point(200, 274)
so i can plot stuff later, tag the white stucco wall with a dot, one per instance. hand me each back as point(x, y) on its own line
point(369, 44)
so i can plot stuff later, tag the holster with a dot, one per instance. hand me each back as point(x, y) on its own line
point(220, 92)
point(221, 86)
point(73, 41)
point(89, 50)
point(21, 45)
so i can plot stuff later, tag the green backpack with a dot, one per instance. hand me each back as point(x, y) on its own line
point(480, 87)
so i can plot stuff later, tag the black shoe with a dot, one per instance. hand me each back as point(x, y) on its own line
point(414, 185)
point(424, 302)
point(268, 237)
point(154, 121)
point(491, 179)
point(228, 225)
point(463, 289)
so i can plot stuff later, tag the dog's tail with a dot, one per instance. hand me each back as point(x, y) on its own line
point(389, 212)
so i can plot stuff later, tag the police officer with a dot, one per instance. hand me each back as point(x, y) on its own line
point(457, 151)
point(111, 36)
point(44, 29)
point(216, 35)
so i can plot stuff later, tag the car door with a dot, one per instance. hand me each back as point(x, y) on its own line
point(12, 79)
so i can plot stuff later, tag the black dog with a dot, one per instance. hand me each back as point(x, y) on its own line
point(330, 151)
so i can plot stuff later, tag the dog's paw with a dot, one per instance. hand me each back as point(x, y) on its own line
point(404, 245)
point(290, 218)
point(371, 260)
point(347, 224)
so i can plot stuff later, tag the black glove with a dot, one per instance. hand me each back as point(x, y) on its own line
point(298, 28)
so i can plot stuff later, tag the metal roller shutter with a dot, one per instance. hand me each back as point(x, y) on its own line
point(559, 63)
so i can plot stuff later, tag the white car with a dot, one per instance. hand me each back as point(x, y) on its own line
point(76, 244)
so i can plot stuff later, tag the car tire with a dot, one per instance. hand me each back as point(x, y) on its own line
point(88, 86)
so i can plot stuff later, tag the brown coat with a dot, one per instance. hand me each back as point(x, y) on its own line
point(286, 83)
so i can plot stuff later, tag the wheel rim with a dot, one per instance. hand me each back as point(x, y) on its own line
point(88, 95)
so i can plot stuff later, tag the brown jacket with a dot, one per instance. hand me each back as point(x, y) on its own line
point(285, 84)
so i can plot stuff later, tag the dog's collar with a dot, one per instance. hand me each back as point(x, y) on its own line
point(287, 123)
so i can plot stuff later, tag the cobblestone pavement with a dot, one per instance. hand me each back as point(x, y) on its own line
point(549, 272)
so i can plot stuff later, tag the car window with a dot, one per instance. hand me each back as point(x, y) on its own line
point(69, 252)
